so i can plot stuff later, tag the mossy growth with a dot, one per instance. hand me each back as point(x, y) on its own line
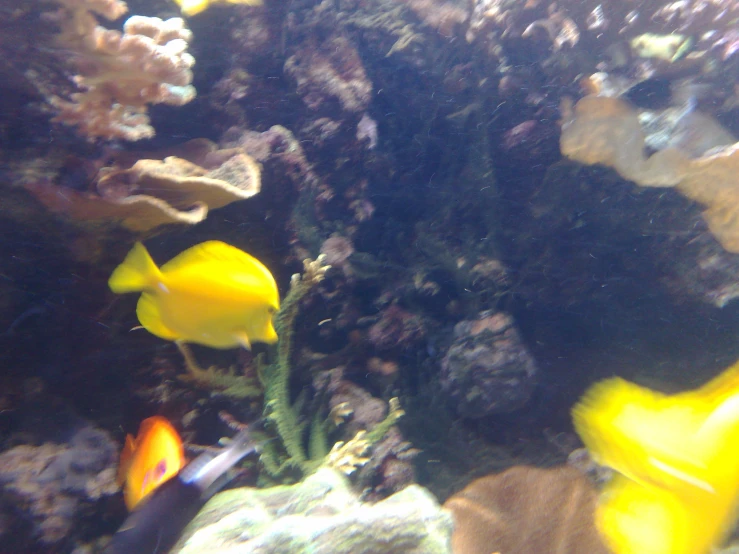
point(226, 381)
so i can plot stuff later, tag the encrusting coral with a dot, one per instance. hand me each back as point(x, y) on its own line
point(52, 483)
point(319, 515)
point(607, 131)
point(176, 191)
point(121, 73)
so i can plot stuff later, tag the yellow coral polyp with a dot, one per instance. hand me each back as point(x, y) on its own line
point(194, 7)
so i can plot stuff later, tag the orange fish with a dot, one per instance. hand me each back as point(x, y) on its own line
point(154, 456)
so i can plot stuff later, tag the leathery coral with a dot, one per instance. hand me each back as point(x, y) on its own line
point(152, 193)
point(120, 74)
point(607, 131)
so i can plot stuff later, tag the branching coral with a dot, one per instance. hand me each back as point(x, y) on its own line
point(120, 74)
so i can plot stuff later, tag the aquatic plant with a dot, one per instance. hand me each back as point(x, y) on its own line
point(275, 378)
point(290, 452)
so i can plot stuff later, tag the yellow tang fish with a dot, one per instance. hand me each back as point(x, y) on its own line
point(211, 294)
point(153, 457)
point(194, 7)
point(677, 486)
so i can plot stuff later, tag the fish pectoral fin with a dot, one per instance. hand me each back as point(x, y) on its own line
point(243, 339)
point(150, 317)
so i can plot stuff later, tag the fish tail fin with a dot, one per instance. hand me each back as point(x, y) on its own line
point(137, 272)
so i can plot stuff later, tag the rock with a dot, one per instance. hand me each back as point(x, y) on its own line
point(487, 369)
point(320, 515)
point(48, 486)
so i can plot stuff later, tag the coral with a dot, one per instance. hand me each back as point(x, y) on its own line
point(320, 515)
point(367, 131)
point(396, 328)
point(331, 73)
point(524, 510)
point(122, 73)
point(607, 131)
point(50, 483)
point(444, 16)
point(657, 31)
point(153, 193)
point(487, 369)
point(337, 250)
point(366, 411)
point(277, 149)
point(349, 456)
point(390, 467)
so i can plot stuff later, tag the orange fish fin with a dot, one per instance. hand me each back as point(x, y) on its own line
point(129, 447)
point(150, 317)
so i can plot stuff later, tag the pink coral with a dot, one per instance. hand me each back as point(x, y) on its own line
point(330, 72)
point(337, 250)
point(120, 74)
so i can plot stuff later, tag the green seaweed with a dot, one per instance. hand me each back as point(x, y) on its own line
point(226, 381)
point(286, 458)
point(275, 377)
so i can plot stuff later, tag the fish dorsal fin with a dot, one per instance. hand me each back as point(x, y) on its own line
point(216, 251)
point(129, 447)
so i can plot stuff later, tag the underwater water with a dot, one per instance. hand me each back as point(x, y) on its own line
point(388, 245)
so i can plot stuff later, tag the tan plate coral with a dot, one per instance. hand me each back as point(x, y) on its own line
point(607, 131)
point(152, 193)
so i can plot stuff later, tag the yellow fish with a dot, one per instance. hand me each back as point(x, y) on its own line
point(194, 7)
point(155, 455)
point(212, 294)
point(677, 486)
